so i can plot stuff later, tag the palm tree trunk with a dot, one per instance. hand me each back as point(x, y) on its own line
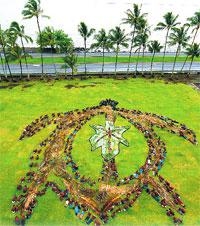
point(85, 46)
point(41, 54)
point(178, 49)
point(72, 72)
point(143, 62)
point(191, 44)
point(5, 57)
point(65, 67)
point(53, 60)
point(6, 60)
point(195, 36)
point(21, 72)
point(65, 71)
point(116, 59)
point(130, 52)
point(184, 63)
point(163, 61)
point(190, 66)
point(103, 60)
point(23, 48)
point(2, 64)
point(137, 61)
point(152, 62)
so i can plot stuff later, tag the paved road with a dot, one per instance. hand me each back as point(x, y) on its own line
point(49, 68)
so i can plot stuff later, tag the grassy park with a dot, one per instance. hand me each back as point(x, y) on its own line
point(98, 59)
point(25, 102)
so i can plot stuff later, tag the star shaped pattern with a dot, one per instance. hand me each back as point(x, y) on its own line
point(108, 138)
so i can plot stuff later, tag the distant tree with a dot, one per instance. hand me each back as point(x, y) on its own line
point(193, 51)
point(180, 38)
point(18, 32)
point(3, 43)
point(103, 42)
point(194, 22)
point(118, 38)
point(33, 9)
point(141, 40)
point(168, 24)
point(47, 39)
point(85, 33)
point(63, 43)
point(70, 61)
point(154, 47)
point(132, 18)
point(15, 52)
point(2, 63)
point(2, 60)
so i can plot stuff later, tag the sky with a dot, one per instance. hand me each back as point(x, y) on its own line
point(67, 14)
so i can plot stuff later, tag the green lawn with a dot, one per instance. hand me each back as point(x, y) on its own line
point(19, 106)
point(121, 59)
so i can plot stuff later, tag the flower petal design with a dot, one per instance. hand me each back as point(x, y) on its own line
point(108, 138)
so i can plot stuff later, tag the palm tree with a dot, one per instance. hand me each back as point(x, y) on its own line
point(2, 63)
point(33, 9)
point(71, 62)
point(141, 40)
point(168, 24)
point(18, 31)
point(180, 38)
point(85, 33)
point(133, 18)
point(154, 47)
point(3, 42)
point(118, 38)
point(192, 51)
point(103, 42)
point(15, 52)
point(193, 22)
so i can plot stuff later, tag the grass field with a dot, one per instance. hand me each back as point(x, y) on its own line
point(19, 106)
point(121, 59)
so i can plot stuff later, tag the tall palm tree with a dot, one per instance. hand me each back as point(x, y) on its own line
point(85, 33)
point(192, 51)
point(118, 38)
point(18, 31)
point(103, 42)
point(3, 43)
point(154, 47)
point(15, 52)
point(2, 63)
point(132, 18)
point(33, 9)
point(168, 24)
point(194, 22)
point(180, 38)
point(141, 40)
